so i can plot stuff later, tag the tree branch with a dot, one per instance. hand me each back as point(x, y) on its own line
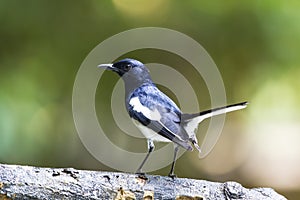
point(25, 182)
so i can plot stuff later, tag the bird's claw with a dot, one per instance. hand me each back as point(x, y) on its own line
point(141, 175)
point(173, 176)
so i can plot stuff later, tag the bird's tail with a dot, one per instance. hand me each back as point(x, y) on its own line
point(191, 121)
point(213, 112)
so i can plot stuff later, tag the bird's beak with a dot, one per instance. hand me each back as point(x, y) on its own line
point(107, 66)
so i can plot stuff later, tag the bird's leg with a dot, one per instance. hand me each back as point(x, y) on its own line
point(171, 174)
point(150, 149)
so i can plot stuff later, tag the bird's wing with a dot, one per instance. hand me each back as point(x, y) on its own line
point(158, 112)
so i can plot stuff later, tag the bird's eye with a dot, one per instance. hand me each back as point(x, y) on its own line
point(127, 67)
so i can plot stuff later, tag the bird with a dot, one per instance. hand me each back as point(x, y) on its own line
point(155, 114)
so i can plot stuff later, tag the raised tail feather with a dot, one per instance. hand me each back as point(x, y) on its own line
point(191, 121)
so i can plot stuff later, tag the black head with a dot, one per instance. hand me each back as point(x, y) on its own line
point(132, 71)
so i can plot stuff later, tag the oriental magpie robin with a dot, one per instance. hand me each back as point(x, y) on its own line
point(155, 114)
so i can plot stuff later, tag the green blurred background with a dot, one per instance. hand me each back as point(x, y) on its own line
point(255, 44)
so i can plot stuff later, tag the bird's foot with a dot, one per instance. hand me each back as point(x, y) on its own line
point(173, 176)
point(141, 175)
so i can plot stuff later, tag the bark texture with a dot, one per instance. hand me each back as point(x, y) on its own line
point(26, 182)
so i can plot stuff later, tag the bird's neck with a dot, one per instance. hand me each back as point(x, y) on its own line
point(133, 85)
point(133, 81)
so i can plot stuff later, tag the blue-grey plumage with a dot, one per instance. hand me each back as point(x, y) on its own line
point(152, 108)
point(155, 114)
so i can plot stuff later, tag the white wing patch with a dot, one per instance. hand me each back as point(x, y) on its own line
point(152, 115)
point(138, 107)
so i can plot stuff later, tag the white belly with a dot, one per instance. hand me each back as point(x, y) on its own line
point(149, 133)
